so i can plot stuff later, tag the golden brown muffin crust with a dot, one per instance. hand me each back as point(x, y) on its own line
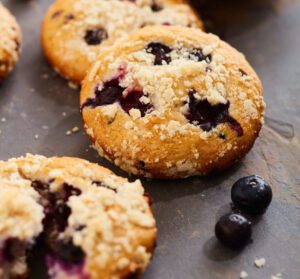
point(163, 143)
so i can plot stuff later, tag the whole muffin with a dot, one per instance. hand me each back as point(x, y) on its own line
point(171, 102)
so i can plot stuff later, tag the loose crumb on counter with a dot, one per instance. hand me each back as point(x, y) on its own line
point(260, 262)
point(277, 276)
point(243, 275)
point(73, 85)
point(74, 130)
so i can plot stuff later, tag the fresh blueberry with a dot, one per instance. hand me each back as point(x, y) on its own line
point(160, 51)
point(207, 116)
point(251, 194)
point(95, 36)
point(67, 252)
point(233, 230)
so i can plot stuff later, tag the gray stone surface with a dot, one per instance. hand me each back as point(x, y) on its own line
point(34, 99)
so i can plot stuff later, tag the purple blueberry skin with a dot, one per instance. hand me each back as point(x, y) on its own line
point(57, 213)
point(112, 92)
point(109, 94)
point(71, 269)
point(233, 230)
point(160, 52)
point(198, 54)
point(95, 36)
point(56, 210)
point(132, 101)
point(207, 116)
point(251, 194)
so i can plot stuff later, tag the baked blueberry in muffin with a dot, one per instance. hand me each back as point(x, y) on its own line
point(94, 224)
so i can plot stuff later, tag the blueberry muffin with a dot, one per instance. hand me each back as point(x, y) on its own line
point(172, 102)
point(95, 224)
point(9, 43)
point(74, 30)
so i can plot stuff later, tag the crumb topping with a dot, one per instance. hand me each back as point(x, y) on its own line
point(10, 41)
point(21, 215)
point(111, 212)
